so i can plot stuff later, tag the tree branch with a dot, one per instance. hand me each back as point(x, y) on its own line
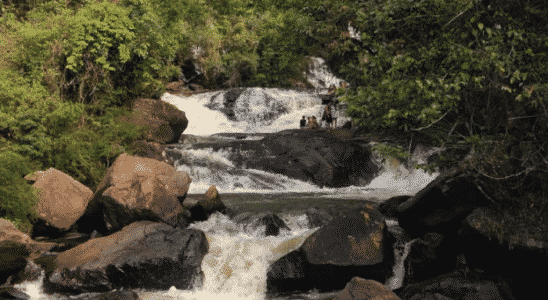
point(460, 14)
point(419, 129)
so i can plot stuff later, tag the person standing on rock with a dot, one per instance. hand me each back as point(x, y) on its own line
point(303, 122)
point(335, 113)
point(327, 116)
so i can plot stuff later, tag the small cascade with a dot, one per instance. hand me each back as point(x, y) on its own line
point(254, 110)
point(207, 167)
point(402, 246)
point(33, 289)
point(238, 258)
point(320, 76)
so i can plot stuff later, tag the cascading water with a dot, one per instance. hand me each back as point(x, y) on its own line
point(239, 256)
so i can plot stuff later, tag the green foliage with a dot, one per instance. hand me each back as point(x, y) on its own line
point(102, 31)
point(446, 67)
point(18, 197)
point(63, 117)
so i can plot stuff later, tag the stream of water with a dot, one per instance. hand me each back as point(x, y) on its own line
point(239, 256)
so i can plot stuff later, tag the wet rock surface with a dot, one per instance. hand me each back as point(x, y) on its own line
point(141, 255)
point(354, 244)
point(315, 156)
point(441, 205)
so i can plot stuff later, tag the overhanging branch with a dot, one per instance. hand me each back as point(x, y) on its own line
point(419, 129)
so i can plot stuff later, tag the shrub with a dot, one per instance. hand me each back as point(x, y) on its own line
point(19, 199)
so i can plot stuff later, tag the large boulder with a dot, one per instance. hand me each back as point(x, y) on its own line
point(307, 155)
point(354, 244)
point(359, 288)
point(142, 255)
point(164, 121)
point(389, 207)
point(61, 201)
point(136, 189)
point(506, 249)
point(441, 205)
point(16, 249)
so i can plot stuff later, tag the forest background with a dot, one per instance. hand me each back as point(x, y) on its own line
point(468, 76)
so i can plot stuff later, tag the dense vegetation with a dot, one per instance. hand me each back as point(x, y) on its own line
point(466, 74)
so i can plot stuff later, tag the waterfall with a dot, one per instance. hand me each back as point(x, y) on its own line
point(239, 255)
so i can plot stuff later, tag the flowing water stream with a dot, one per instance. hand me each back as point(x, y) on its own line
point(239, 256)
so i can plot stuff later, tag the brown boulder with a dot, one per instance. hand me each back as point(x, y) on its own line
point(152, 150)
point(61, 199)
point(136, 189)
point(358, 289)
point(142, 255)
point(164, 121)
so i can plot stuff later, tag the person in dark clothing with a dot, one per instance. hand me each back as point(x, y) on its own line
point(327, 116)
point(303, 122)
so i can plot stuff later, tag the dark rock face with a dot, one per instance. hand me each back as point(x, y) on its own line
point(354, 244)
point(522, 262)
point(430, 256)
point(389, 207)
point(271, 221)
point(31, 272)
point(457, 286)
point(210, 204)
point(143, 255)
point(306, 155)
point(317, 217)
point(441, 205)
point(273, 224)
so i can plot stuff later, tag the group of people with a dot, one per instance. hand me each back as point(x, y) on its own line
point(328, 116)
point(312, 123)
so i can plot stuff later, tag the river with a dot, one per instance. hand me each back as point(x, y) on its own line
point(239, 256)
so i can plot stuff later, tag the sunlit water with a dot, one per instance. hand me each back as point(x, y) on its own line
point(239, 256)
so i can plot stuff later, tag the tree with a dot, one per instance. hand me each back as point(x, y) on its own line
point(469, 74)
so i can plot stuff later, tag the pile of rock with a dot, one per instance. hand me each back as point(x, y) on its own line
point(130, 233)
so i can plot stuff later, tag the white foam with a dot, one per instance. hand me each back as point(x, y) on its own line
point(238, 258)
point(252, 110)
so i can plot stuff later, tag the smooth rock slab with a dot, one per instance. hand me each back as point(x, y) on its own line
point(143, 255)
